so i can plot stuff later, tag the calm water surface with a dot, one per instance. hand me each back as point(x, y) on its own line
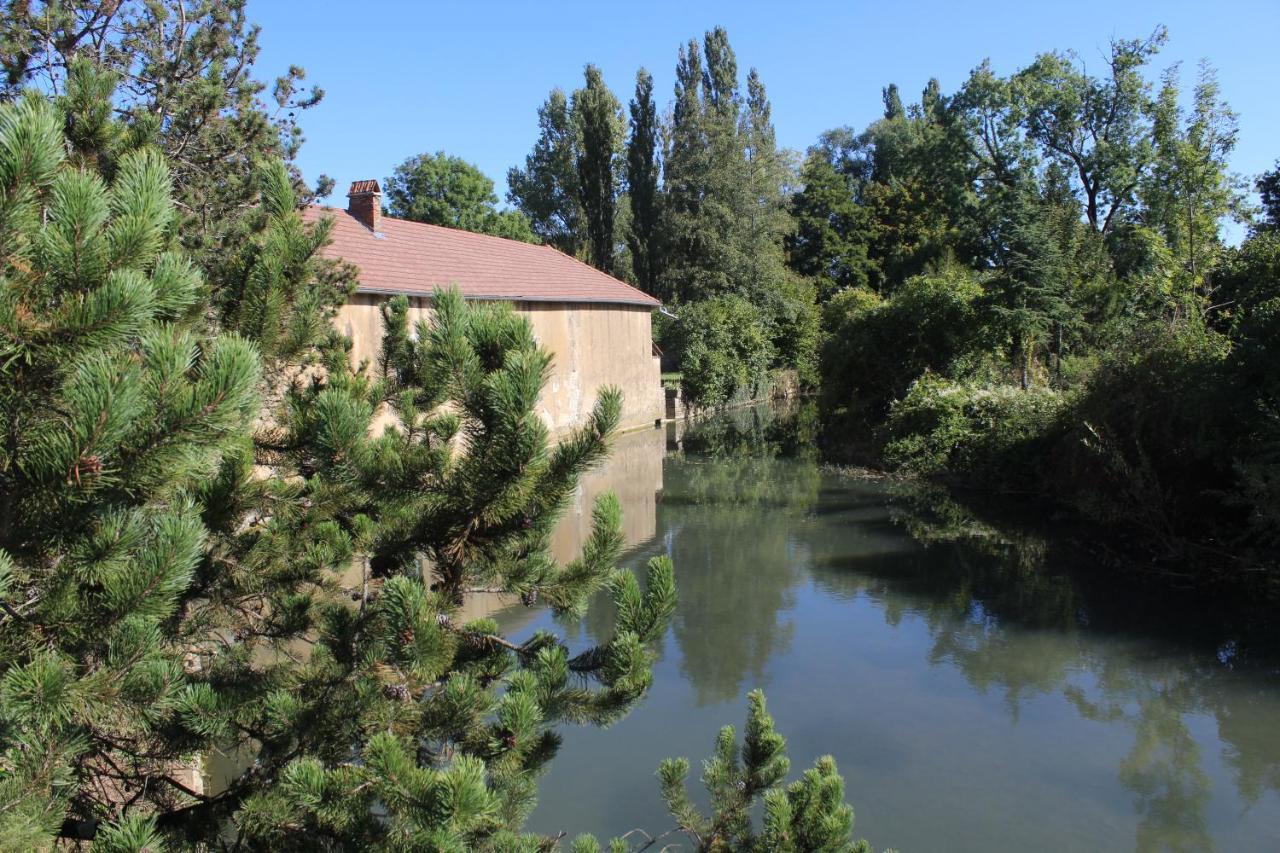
point(980, 690)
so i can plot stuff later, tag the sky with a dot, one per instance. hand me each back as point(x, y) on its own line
point(466, 76)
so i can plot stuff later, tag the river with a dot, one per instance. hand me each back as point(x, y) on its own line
point(981, 688)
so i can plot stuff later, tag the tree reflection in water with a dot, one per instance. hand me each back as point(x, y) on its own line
point(976, 583)
point(760, 531)
point(983, 581)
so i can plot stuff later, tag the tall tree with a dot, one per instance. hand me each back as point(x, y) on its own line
point(1030, 295)
point(705, 170)
point(1096, 128)
point(443, 190)
point(832, 235)
point(546, 190)
point(1189, 190)
point(1268, 186)
point(598, 117)
point(642, 185)
point(893, 108)
point(186, 77)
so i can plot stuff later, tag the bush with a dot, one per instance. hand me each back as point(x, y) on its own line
point(1153, 436)
point(795, 329)
point(874, 349)
point(995, 434)
point(724, 351)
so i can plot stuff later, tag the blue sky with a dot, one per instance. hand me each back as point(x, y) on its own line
point(467, 77)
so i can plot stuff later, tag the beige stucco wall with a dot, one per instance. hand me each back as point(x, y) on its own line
point(592, 346)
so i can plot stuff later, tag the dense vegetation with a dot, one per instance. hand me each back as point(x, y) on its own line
point(1023, 285)
point(1029, 291)
point(692, 208)
point(217, 535)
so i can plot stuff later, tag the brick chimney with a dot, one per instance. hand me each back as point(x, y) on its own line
point(364, 202)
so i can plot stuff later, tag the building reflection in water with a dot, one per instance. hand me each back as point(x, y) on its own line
point(633, 472)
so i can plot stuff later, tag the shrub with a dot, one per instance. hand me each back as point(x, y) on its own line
point(873, 349)
point(796, 329)
point(724, 351)
point(996, 434)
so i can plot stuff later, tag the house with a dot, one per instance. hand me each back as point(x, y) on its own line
point(597, 328)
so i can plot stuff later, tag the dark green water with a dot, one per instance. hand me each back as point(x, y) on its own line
point(980, 689)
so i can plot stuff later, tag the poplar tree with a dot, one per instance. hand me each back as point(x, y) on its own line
point(642, 185)
point(598, 117)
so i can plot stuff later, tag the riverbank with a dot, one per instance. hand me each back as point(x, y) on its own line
point(1050, 458)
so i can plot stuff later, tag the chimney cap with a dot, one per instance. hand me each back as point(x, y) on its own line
point(364, 188)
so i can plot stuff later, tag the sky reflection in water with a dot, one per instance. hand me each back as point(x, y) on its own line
point(980, 688)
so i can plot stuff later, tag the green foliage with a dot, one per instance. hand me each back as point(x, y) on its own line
point(1056, 310)
point(546, 190)
point(643, 172)
point(442, 190)
point(198, 555)
point(115, 408)
point(1095, 128)
point(807, 815)
point(724, 350)
point(185, 74)
point(567, 188)
point(1154, 434)
point(1268, 186)
point(278, 292)
point(875, 348)
point(982, 433)
point(831, 238)
point(599, 118)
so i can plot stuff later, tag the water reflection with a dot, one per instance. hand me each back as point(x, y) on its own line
point(633, 472)
point(981, 685)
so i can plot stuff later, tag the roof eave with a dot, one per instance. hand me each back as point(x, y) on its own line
point(587, 300)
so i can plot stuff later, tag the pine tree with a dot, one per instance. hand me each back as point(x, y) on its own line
point(807, 816)
point(442, 725)
point(186, 77)
point(642, 186)
point(183, 570)
point(114, 408)
point(1030, 297)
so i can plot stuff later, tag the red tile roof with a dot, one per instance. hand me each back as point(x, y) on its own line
point(364, 187)
point(414, 258)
